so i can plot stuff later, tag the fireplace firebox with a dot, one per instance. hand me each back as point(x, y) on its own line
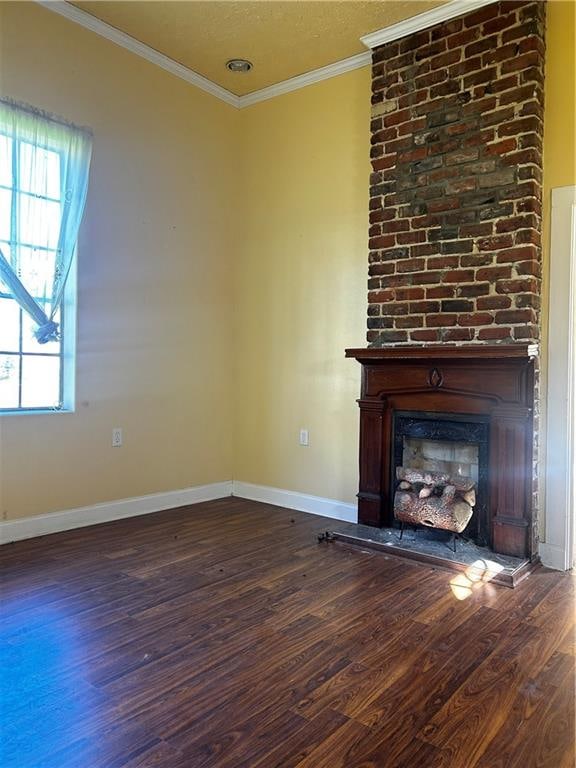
point(450, 445)
point(464, 410)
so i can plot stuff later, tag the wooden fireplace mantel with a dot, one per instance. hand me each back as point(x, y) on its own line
point(493, 382)
point(445, 352)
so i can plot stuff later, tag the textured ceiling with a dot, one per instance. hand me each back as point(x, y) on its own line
point(281, 38)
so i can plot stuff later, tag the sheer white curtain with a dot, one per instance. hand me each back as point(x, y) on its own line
point(44, 166)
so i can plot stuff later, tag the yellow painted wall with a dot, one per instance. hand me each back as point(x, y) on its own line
point(301, 286)
point(560, 114)
point(155, 290)
point(248, 231)
point(560, 97)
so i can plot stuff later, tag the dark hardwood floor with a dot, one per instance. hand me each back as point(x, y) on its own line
point(225, 635)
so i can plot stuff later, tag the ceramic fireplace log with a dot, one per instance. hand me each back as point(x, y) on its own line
point(437, 504)
point(434, 479)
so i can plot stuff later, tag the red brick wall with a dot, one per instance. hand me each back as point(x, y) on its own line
point(456, 183)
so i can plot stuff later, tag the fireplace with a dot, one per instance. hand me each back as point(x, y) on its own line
point(454, 446)
point(449, 381)
point(454, 409)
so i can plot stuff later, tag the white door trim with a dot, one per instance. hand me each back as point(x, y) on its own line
point(558, 550)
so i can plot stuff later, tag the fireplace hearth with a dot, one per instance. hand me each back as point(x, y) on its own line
point(431, 548)
point(457, 411)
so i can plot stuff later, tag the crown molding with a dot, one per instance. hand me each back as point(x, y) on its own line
point(87, 21)
point(308, 78)
point(445, 12)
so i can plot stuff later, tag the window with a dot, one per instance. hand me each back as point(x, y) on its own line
point(31, 374)
point(40, 188)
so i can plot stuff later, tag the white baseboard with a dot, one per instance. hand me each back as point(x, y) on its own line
point(315, 505)
point(553, 556)
point(54, 522)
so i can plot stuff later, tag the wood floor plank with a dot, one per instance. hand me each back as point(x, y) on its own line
point(288, 753)
point(482, 705)
point(528, 736)
point(335, 751)
point(223, 635)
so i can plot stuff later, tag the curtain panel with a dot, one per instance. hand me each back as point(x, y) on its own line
point(44, 167)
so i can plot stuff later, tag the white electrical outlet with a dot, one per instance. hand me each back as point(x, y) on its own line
point(116, 437)
point(304, 440)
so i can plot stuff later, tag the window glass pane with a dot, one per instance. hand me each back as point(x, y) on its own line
point(40, 382)
point(6, 251)
point(29, 342)
point(38, 221)
point(5, 161)
point(39, 171)
point(9, 325)
point(9, 374)
point(5, 217)
point(36, 270)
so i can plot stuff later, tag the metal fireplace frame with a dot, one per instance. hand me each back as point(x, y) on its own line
point(448, 427)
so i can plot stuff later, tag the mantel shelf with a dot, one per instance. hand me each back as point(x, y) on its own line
point(445, 352)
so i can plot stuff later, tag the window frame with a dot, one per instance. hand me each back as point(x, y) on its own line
point(68, 307)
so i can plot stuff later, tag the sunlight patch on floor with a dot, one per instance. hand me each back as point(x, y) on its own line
point(474, 577)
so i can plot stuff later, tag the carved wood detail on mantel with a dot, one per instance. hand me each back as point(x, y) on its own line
point(494, 381)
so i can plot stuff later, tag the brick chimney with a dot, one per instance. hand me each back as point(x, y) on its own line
point(456, 187)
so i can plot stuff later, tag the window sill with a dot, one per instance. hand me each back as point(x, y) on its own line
point(36, 411)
